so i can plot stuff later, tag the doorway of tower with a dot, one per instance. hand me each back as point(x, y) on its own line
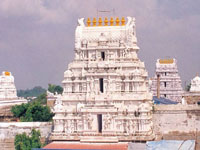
point(101, 85)
point(99, 119)
point(103, 55)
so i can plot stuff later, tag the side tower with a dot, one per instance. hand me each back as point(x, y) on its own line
point(167, 82)
point(7, 87)
point(106, 95)
point(8, 92)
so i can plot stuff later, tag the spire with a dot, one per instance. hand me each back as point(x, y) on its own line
point(94, 21)
point(88, 22)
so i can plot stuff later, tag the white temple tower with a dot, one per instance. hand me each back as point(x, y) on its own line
point(7, 86)
point(106, 97)
point(167, 82)
point(195, 84)
point(8, 92)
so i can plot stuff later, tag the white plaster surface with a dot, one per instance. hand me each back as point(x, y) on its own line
point(107, 53)
point(170, 81)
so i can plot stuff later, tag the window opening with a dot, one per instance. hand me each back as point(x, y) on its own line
point(101, 85)
point(103, 55)
point(99, 119)
point(165, 84)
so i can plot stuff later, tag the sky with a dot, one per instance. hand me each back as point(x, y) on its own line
point(37, 36)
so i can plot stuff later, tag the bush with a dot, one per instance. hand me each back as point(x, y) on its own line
point(32, 112)
point(24, 142)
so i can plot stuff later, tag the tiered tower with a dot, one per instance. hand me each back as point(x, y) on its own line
point(8, 92)
point(192, 97)
point(106, 97)
point(167, 82)
point(7, 86)
point(195, 84)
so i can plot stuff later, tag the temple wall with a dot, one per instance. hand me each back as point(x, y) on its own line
point(8, 130)
point(177, 122)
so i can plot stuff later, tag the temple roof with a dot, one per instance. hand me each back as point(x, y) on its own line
point(85, 146)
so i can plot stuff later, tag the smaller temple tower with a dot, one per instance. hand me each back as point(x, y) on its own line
point(195, 84)
point(192, 97)
point(8, 92)
point(7, 86)
point(167, 83)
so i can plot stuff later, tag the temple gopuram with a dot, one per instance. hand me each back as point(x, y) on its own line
point(8, 96)
point(8, 92)
point(192, 97)
point(167, 83)
point(106, 97)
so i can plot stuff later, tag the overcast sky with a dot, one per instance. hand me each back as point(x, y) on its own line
point(37, 36)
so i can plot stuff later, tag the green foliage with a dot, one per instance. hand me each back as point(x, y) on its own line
point(19, 110)
point(55, 89)
point(42, 98)
point(32, 112)
point(36, 91)
point(24, 142)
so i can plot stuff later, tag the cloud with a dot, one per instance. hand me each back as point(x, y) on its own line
point(36, 8)
point(37, 36)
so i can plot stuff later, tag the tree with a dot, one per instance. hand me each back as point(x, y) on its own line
point(35, 139)
point(42, 98)
point(19, 110)
point(24, 142)
point(32, 112)
point(34, 92)
point(55, 89)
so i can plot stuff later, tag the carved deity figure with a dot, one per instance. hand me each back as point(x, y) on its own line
point(58, 105)
point(89, 120)
point(107, 122)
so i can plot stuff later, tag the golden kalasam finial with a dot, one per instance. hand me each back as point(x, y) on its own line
point(88, 22)
point(123, 21)
point(111, 21)
point(106, 21)
point(7, 73)
point(117, 21)
point(100, 22)
point(94, 21)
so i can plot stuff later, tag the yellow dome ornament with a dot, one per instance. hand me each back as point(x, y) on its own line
point(106, 21)
point(100, 22)
point(123, 21)
point(7, 73)
point(117, 21)
point(94, 22)
point(111, 21)
point(88, 22)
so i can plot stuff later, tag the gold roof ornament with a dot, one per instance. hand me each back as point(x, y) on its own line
point(100, 22)
point(117, 21)
point(88, 22)
point(7, 73)
point(166, 61)
point(106, 21)
point(94, 21)
point(111, 21)
point(123, 21)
